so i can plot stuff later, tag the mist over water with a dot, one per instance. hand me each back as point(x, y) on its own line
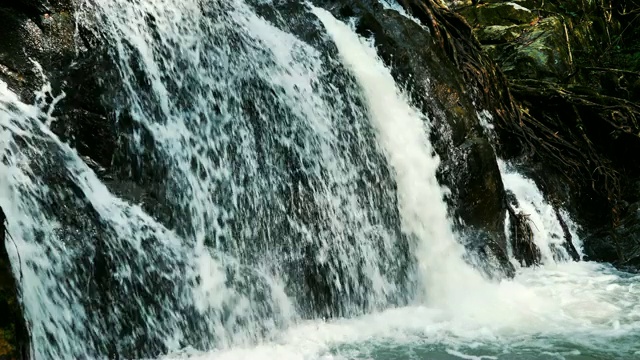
point(307, 222)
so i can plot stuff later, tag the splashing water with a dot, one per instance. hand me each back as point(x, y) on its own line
point(299, 179)
point(560, 312)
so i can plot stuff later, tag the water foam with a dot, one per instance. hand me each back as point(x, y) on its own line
point(560, 310)
point(402, 131)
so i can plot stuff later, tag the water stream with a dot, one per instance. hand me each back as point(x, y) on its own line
point(306, 221)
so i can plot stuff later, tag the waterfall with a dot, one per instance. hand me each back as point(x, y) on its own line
point(273, 195)
point(554, 232)
point(287, 181)
point(403, 133)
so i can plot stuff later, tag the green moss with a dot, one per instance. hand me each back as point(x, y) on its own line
point(7, 342)
point(504, 14)
point(10, 310)
point(499, 34)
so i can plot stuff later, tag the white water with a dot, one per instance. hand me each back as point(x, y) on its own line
point(567, 311)
point(403, 134)
point(308, 128)
point(52, 293)
point(570, 302)
point(562, 309)
point(564, 302)
point(548, 234)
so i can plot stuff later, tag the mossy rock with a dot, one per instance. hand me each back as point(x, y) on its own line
point(460, 4)
point(499, 34)
point(7, 344)
point(509, 13)
point(542, 52)
point(529, 4)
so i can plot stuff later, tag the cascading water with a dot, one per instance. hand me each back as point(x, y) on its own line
point(548, 232)
point(401, 132)
point(300, 184)
point(554, 232)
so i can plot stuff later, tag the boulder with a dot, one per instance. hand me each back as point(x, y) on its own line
point(502, 13)
point(540, 52)
point(499, 34)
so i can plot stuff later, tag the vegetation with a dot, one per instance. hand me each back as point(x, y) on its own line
point(624, 50)
point(7, 338)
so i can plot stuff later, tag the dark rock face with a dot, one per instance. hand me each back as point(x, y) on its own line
point(578, 120)
point(14, 337)
point(39, 44)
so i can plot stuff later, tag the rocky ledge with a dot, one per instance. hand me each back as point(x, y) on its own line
point(573, 70)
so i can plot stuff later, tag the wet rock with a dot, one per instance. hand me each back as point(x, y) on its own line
point(38, 46)
point(21, 42)
point(14, 338)
point(41, 45)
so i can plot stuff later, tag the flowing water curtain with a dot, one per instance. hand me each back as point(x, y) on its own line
point(92, 262)
point(282, 202)
point(264, 147)
point(279, 194)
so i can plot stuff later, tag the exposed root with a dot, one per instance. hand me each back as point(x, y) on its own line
point(586, 137)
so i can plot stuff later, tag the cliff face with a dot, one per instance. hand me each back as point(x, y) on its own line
point(573, 73)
